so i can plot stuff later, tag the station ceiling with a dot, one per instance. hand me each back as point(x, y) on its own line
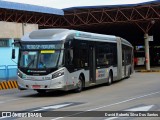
point(30, 8)
point(127, 21)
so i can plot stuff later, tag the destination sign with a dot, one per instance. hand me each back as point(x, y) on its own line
point(48, 46)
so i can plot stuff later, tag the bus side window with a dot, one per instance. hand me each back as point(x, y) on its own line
point(81, 54)
point(70, 56)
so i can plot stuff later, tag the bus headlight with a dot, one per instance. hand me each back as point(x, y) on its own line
point(57, 74)
point(19, 74)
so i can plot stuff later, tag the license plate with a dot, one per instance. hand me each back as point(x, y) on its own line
point(36, 86)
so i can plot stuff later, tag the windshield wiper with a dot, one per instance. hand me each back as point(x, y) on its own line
point(32, 61)
point(43, 65)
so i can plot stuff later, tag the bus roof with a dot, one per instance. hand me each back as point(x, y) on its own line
point(125, 42)
point(62, 34)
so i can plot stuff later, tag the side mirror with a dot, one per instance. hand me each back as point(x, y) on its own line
point(13, 54)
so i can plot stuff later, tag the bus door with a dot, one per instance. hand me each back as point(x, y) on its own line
point(92, 64)
point(123, 63)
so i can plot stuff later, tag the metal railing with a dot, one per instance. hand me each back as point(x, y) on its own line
point(8, 72)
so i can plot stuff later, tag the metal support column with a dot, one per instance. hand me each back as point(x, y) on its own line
point(147, 56)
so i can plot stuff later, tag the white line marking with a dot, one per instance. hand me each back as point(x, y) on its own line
point(44, 108)
point(143, 108)
point(57, 118)
point(3, 117)
point(124, 101)
point(53, 107)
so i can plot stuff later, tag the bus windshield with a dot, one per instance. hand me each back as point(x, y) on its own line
point(38, 57)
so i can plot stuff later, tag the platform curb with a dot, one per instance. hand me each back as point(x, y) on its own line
point(8, 85)
point(147, 70)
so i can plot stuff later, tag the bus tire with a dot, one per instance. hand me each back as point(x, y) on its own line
point(110, 78)
point(40, 91)
point(79, 85)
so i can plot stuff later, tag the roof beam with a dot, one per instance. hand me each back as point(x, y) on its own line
point(109, 16)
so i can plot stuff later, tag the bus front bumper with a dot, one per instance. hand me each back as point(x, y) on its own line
point(54, 84)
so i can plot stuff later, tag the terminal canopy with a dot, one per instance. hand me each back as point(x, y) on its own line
point(30, 8)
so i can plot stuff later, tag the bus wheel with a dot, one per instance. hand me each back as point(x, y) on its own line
point(41, 91)
point(110, 78)
point(79, 85)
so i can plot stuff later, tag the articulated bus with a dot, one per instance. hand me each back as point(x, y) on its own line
point(62, 59)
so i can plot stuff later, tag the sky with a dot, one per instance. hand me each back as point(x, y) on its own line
point(61, 4)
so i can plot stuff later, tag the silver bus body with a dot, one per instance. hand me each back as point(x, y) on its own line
point(67, 78)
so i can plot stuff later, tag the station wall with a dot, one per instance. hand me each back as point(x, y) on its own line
point(15, 30)
point(10, 31)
